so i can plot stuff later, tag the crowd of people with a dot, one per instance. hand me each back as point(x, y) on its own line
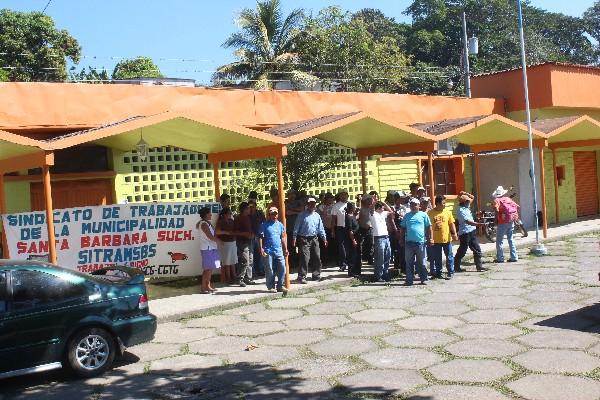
point(403, 232)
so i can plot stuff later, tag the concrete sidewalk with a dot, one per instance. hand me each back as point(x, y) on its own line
point(174, 308)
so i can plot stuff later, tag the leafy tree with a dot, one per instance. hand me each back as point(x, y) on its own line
point(33, 48)
point(380, 26)
point(264, 47)
point(437, 34)
point(344, 55)
point(3, 75)
point(305, 166)
point(139, 67)
point(591, 19)
point(91, 75)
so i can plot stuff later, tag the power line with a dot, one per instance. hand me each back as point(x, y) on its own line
point(47, 4)
point(204, 60)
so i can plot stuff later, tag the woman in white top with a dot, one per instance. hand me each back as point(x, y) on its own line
point(208, 249)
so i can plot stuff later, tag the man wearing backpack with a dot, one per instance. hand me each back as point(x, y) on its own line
point(507, 212)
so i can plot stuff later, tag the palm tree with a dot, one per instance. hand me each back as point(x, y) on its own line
point(264, 48)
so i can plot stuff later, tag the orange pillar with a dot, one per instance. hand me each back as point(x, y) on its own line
point(477, 182)
point(3, 211)
point(217, 181)
point(431, 178)
point(543, 192)
point(49, 213)
point(556, 210)
point(281, 196)
point(363, 174)
point(419, 172)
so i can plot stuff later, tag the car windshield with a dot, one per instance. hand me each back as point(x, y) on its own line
point(112, 275)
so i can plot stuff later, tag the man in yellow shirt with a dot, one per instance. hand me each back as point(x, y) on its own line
point(444, 232)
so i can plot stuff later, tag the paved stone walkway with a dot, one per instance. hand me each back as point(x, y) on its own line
point(186, 301)
point(526, 330)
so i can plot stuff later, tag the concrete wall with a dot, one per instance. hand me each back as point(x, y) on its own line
point(525, 188)
point(498, 170)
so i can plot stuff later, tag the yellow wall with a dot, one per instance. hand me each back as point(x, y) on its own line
point(18, 196)
point(396, 175)
point(171, 174)
point(566, 191)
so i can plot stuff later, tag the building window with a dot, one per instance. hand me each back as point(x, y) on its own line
point(448, 176)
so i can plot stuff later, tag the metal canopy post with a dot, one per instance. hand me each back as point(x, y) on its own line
point(49, 213)
point(363, 174)
point(431, 177)
point(477, 182)
point(280, 188)
point(217, 181)
point(3, 211)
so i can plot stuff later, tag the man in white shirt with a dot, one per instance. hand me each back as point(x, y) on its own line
point(382, 251)
point(338, 218)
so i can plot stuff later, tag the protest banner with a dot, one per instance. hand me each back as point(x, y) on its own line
point(158, 238)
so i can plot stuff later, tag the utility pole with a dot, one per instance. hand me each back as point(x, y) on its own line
point(466, 56)
point(538, 248)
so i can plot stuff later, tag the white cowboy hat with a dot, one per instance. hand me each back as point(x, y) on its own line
point(499, 192)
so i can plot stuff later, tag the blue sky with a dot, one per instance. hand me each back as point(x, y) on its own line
point(176, 30)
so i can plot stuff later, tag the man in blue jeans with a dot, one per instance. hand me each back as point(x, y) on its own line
point(507, 211)
point(416, 228)
point(273, 247)
point(444, 232)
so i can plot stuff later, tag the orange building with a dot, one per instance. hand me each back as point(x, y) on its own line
point(91, 131)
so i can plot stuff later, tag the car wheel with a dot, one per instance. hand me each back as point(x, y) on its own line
point(91, 352)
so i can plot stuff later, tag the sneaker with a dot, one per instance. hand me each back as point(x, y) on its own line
point(498, 261)
point(342, 269)
point(423, 282)
point(282, 289)
point(439, 276)
point(316, 278)
point(482, 269)
point(301, 281)
point(272, 290)
point(242, 283)
point(449, 276)
point(513, 260)
point(249, 281)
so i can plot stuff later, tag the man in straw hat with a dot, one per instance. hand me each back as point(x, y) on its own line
point(507, 212)
point(467, 233)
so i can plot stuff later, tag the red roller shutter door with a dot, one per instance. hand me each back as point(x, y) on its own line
point(586, 182)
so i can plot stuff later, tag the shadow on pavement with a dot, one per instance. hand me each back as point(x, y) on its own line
point(236, 381)
point(585, 319)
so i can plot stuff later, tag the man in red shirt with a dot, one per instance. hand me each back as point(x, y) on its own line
point(507, 211)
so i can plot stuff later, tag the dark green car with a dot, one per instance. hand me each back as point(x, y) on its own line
point(52, 317)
